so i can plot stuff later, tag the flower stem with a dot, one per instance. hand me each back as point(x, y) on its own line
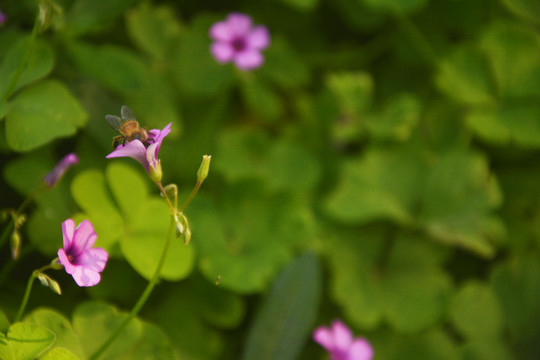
point(22, 64)
point(25, 297)
point(142, 299)
point(171, 207)
point(191, 196)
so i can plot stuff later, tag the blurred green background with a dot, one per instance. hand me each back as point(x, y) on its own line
point(381, 167)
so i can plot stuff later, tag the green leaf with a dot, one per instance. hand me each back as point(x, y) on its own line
point(246, 241)
point(24, 341)
point(287, 316)
point(508, 123)
point(59, 353)
point(39, 63)
point(382, 184)
point(115, 67)
point(196, 72)
point(89, 16)
point(42, 113)
point(153, 345)
point(353, 92)
point(526, 9)
point(517, 289)
point(303, 5)
point(191, 331)
point(405, 6)
point(397, 120)
point(282, 65)
point(262, 100)
point(460, 196)
point(409, 291)
point(465, 76)
point(153, 28)
point(60, 327)
point(4, 322)
point(475, 311)
point(431, 344)
point(514, 52)
point(95, 322)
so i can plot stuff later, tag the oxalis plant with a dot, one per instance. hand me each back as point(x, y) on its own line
point(78, 256)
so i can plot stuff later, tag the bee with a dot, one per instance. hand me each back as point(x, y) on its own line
point(127, 126)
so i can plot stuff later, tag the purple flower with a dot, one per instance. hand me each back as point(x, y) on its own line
point(237, 40)
point(52, 177)
point(78, 256)
point(3, 18)
point(340, 343)
point(148, 157)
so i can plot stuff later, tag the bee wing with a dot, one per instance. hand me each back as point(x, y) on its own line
point(126, 113)
point(114, 121)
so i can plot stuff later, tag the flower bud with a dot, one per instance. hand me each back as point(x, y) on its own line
point(56, 174)
point(15, 244)
point(182, 227)
point(155, 172)
point(203, 169)
point(49, 282)
point(56, 265)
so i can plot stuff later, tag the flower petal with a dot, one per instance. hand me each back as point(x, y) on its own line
point(94, 259)
point(221, 31)
point(84, 237)
point(134, 149)
point(360, 350)
point(258, 38)
point(238, 23)
point(248, 60)
point(159, 137)
point(324, 337)
point(342, 335)
point(85, 276)
point(68, 266)
point(223, 52)
point(68, 229)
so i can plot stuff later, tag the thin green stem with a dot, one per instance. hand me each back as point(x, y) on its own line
point(13, 83)
point(27, 291)
point(25, 297)
point(142, 299)
point(171, 208)
point(191, 196)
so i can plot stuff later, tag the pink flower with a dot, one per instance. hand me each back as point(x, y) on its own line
point(148, 157)
point(79, 258)
point(3, 18)
point(52, 177)
point(237, 40)
point(340, 343)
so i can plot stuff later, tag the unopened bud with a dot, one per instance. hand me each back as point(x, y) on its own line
point(15, 244)
point(182, 227)
point(49, 282)
point(48, 9)
point(171, 190)
point(203, 169)
point(56, 265)
point(56, 174)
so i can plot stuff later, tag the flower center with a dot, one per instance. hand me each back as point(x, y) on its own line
point(70, 258)
point(239, 44)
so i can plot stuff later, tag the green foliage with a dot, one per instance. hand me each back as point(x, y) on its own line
point(394, 141)
point(286, 317)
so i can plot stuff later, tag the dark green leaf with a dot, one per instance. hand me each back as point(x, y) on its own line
point(286, 318)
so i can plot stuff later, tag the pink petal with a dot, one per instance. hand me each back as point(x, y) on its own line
point(238, 23)
point(84, 237)
point(94, 259)
point(162, 133)
point(360, 350)
point(221, 31)
point(342, 335)
point(62, 256)
point(223, 52)
point(134, 149)
point(324, 337)
point(248, 60)
point(68, 229)
point(85, 276)
point(258, 38)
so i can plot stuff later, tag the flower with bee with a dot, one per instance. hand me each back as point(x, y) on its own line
point(137, 142)
point(128, 127)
